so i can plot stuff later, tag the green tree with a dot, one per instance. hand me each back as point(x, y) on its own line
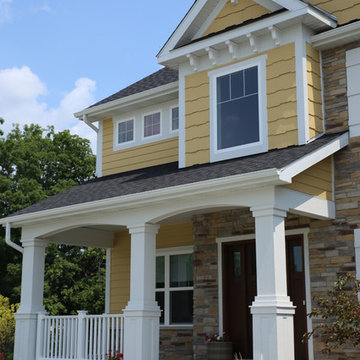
point(338, 314)
point(36, 163)
point(7, 325)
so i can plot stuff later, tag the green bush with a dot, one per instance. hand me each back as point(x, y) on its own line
point(7, 326)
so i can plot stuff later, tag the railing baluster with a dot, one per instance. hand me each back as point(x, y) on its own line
point(122, 334)
point(86, 338)
point(107, 335)
point(112, 335)
point(117, 333)
point(103, 342)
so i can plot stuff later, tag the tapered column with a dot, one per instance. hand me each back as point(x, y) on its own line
point(31, 303)
point(272, 310)
point(142, 314)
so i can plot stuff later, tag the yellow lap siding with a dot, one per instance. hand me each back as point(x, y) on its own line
point(168, 236)
point(155, 153)
point(235, 14)
point(316, 181)
point(314, 91)
point(344, 10)
point(281, 106)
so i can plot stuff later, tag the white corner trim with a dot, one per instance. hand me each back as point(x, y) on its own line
point(340, 35)
point(107, 283)
point(313, 158)
point(182, 156)
point(357, 252)
point(99, 149)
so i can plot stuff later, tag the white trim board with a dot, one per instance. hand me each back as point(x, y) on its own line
point(300, 231)
point(107, 282)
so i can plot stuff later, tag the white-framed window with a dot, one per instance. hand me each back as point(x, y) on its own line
point(125, 131)
point(175, 118)
point(238, 114)
point(175, 285)
point(152, 124)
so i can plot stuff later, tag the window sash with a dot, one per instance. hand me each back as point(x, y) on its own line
point(125, 131)
point(152, 124)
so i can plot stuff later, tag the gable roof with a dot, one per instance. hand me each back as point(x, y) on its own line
point(161, 77)
point(169, 175)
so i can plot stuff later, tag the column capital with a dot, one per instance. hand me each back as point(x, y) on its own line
point(34, 243)
point(268, 210)
point(143, 228)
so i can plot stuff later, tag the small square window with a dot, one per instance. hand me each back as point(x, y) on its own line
point(174, 118)
point(152, 124)
point(125, 131)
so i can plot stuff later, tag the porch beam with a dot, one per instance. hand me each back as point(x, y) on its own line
point(142, 314)
point(272, 310)
point(31, 303)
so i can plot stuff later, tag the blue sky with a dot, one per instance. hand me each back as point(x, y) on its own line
point(59, 56)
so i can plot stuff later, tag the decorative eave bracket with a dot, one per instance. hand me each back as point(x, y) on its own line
point(253, 42)
point(194, 61)
point(233, 48)
point(275, 35)
point(213, 55)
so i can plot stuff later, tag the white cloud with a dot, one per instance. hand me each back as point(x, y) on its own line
point(45, 7)
point(5, 10)
point(20, 92)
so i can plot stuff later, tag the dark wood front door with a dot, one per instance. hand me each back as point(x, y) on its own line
point(239, 291)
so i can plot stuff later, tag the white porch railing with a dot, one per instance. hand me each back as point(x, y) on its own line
point(82, 336)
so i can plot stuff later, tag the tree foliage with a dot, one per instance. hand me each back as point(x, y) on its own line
point(36, 163)
point(7, 325)
point(339, 314)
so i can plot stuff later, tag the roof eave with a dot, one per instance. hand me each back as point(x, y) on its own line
point(93, 113)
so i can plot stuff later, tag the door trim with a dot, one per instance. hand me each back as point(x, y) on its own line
point(301, 231)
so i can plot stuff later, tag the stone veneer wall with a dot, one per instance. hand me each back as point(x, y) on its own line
point(176, 344)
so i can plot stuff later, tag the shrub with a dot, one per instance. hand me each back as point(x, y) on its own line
point(7, 326)
point(339, 314)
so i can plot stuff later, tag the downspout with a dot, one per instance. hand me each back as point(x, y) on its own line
point(88, 123)
point(8, 239)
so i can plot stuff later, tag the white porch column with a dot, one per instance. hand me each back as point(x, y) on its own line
point(142, 314)
point(272, 310)
point(31, 303)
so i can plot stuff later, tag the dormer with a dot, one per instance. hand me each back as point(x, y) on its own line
point(249, 80)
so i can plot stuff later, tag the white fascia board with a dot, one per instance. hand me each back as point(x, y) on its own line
point(130, 100)
point(242, 181)
point(340, 35)
point(313, 158)
point(238, 33)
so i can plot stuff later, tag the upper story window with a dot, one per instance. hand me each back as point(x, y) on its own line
point(125, 131)
point(152, 124)
point(238, 110)
point(174, 286)
point(175, 118)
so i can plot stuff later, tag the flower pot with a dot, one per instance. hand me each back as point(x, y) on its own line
point(219, 350)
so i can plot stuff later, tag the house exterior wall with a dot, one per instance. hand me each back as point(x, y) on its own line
point(138, 157)
point(317, 180)
point(281, 105)
point(235, 14)
point(314, 91)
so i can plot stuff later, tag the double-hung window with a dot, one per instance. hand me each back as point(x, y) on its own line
point(238, 110)
point(174, 286)
point(125, 131)
point(152, 124)
point(174, 119)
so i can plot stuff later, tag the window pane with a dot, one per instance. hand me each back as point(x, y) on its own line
point(175, 118)
point(251, 80)
point(181, 270)
point(298, 259)
point(126, 131)
point(237, 263)
point(160, 299)
point(181, 307)
point(152, 124)
point(237, 84)
point(223, 88)
point(238, 122)
point(160, 272)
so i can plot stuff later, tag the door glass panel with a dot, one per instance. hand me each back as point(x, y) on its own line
point(160, 299)
point(237, 263)
point(298, 259)
point(160, 272)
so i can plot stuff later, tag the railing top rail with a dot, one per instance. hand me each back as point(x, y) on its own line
point(104, 316)
point(57, 317)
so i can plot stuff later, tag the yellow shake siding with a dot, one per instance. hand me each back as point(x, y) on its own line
point(235, 14)
point(316, 181)
point(168, 236)
point(344, 10)
point(155, 153)
point(281, 106)
point(314, 91)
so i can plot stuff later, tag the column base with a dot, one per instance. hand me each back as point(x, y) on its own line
point(273, 328)
point(141, 337)
point(25, 336)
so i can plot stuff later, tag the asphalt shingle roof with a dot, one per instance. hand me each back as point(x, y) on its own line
point(168, 175)
point(161, 77)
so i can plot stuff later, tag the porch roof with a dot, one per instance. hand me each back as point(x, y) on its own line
point(169, 175)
